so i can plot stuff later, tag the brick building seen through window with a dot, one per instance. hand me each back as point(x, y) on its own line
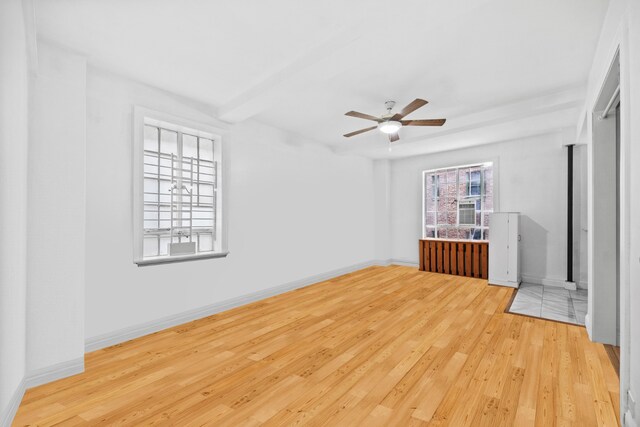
point(457, 202)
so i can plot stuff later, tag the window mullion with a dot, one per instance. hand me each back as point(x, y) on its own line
point(191, 197)
point(198, 171)
point(158, 198)
point(457, 197)
point(482, 190)
point(177, 191)
point(436, 199)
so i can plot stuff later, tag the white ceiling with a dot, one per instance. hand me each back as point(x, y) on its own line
point(301, 65)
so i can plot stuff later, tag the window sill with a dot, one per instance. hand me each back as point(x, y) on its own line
point(442, 239)
point(183, 258)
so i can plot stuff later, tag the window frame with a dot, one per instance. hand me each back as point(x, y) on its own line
point(142, 117)
point(494, 162)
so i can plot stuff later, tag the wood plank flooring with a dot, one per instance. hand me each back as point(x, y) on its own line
point(383, 346)
point(614, 356)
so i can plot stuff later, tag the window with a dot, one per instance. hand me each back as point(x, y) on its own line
point(178, 194)
point(473, 183)
point(457, 201)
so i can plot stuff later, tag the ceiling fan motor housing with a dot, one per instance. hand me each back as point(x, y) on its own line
point(389, 105)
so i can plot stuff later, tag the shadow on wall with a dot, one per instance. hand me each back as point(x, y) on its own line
point(533, 247)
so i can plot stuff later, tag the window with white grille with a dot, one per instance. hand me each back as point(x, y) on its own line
point(457, 202)
point(178, 201)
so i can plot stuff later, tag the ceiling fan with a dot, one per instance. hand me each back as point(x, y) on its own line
point(390, 123)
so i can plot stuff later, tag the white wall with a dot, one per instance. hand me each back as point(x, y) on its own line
point(294, 210)
point(621, 31)
point(632, 193)
point(530, 176)
point(13, 201)
point(56, 187)
point(382, 209)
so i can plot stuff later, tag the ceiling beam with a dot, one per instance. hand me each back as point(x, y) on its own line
point(320, 63)
point(31, 34)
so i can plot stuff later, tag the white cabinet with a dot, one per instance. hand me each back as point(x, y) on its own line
point(504, 249)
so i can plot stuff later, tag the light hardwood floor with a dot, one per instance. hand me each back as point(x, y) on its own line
point(381, 346)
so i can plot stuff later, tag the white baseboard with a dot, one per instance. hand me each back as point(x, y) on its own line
point(36, 378)
point(504, 283)
point(628, 420)
point(587, 325)
point(8, 414)
point(396, 261)
point(126, 334)
point(54, 372)
point(543, 281)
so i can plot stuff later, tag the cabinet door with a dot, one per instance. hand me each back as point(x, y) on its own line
point(498, 247)
point(514, 227)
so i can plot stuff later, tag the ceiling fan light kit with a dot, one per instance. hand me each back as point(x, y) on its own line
point(391, 126)
point(390, 123)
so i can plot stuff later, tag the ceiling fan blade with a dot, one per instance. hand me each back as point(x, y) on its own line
point(357, 132)
point(363, 116)
point(426, 122)
point(393, 137)
point(413, 106)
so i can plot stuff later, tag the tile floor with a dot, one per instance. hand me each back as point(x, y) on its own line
point(549, 302)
